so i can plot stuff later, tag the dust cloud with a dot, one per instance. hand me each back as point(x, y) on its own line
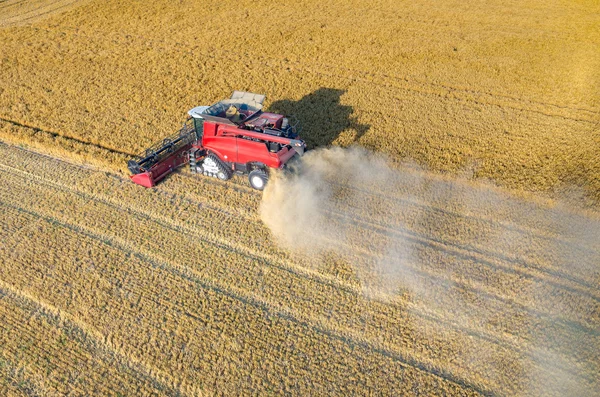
point(298, 207)
point(469, 253)
point(337, 202)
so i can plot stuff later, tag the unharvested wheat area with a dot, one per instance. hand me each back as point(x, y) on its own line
point(442, 237)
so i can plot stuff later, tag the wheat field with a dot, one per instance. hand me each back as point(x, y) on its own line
point(181, 293)
point(464, 262)
point(507, 90)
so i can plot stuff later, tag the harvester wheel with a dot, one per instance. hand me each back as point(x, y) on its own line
point(213, 166)
point(222, 175)
point(258, 179)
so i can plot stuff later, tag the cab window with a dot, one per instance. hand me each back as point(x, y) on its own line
point(199, 127)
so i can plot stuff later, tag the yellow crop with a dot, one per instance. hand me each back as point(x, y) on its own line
point(426, 285)
point(485, 88)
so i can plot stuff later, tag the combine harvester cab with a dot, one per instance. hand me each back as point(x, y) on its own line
point(232, 136)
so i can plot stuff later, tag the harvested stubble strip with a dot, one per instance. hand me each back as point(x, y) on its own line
point(162, 246)
point(276, 288)
point(167, 209)
point(42, 349)
point(70, 203)
point(228, 322)
point(497, 273)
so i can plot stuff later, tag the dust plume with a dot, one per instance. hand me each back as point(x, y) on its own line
point(331, 204)
point(522, 273)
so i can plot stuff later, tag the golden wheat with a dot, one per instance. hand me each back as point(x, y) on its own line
point(107, 288)
point(448, 87)
point(168, 273)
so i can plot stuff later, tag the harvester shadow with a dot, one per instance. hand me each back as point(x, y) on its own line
point(322, 116)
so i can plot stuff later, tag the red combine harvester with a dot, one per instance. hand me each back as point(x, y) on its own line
point(233, 135)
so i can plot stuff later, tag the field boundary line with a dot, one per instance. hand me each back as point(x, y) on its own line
point(63, 160)
point(55, 134)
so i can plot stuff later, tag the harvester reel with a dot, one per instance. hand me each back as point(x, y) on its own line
point(134, 167)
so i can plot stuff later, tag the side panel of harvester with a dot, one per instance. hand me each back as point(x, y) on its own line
point(233, 145)
point(255, 152)
point(223, 146)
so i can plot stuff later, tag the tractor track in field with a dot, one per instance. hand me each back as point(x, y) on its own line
point(457, 250)
point(483, 259)
point(26, 14)
point(92, 340)
point(91, 331)
point(348, 288)
point(482, 292)
point(248, 298)
point(408, 199)
point(479, 256)
point(525, 269)
point(4, 4)
point(225, 244)
point(110, 240)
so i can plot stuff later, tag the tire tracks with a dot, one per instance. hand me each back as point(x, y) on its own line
point(338, 284)
point(312, 275)
point(93, 338)
point(246, 297)
point(481, 256)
